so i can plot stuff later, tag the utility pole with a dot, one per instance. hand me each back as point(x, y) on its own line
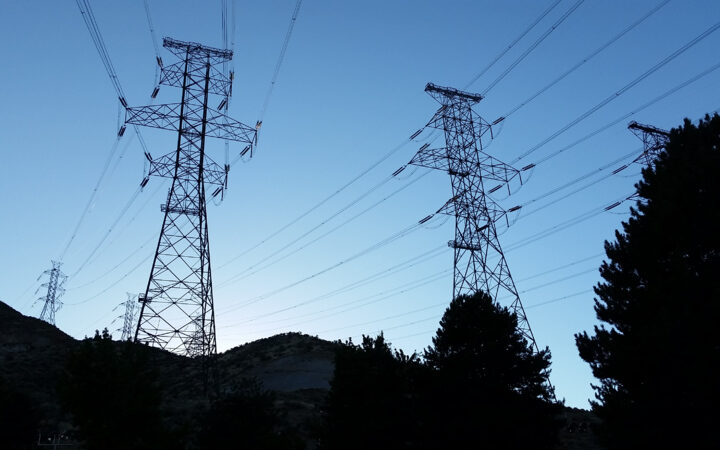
point(654, 139)
point(177, 308)
point(479, 262)
point(51, 300)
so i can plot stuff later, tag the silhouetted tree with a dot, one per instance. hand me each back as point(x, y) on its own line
point(372, 402)
point(245, 419)
point(18, 419)
point(657, 354)
point(112, 394)
point(489, 388)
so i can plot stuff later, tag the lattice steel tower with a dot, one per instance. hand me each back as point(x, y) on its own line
point(51, 300)
point(479, 262)
point(128, 317)
point(177, 310)
point(654, 139)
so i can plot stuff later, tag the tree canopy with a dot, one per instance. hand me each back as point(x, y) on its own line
point(480, 385)
point(112, 393)
point(656, 353)
point(491, 387)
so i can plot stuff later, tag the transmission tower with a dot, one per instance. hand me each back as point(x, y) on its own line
point(128, 318)
point(177, 311)
point(51, 300)
point(479, 262)
point(654, 139)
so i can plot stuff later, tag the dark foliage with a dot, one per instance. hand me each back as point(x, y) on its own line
point(489, 388)
point(481, 387)
point(657, 354)
point(245, 419)
point(112, 394)
point(373, 403)
point(18, 418)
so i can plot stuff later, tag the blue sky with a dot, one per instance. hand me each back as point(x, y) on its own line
point(350, 90)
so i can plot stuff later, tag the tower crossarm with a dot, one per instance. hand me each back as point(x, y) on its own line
point(173, 74)
point(182, 48)
point(164, 166)
point(447, 95)
point(488, 167)
point(167, 117)
point(482, 217)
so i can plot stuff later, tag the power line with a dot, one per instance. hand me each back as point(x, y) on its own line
point(107, 233)
point(377, 245)
point(153, 36)
point(392, 270)
point(624, 117)
point(325, 200)
point(92, 26)
point(540, 235)
point(359, 303)
point(512, 44)
point(415, 284)
point(239, 276)
point(532, 47)
point(280, 60)
point(624, 89)
point(565, 297)
point(91, 200)
point(587, 58)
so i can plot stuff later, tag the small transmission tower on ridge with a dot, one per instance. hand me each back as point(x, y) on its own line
point(177, 309)
point(479, 262)
point(128, 317)
point(51, 300)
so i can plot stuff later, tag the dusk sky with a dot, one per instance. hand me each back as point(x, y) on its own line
point(348, 97)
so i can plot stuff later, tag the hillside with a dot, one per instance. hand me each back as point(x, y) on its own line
point(296, 367)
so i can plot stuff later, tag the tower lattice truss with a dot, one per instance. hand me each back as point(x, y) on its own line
point(54, 290)
point(177, 309)
point(479, 262)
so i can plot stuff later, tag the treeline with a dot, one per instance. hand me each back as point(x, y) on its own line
point(479, 385)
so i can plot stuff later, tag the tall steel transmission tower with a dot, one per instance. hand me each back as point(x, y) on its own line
point(177, 309)
point(479, 262)
point(51, 300)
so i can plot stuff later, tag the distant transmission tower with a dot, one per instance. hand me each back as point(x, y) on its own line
point(51, 300)
point(479, 262)
point(653, 139)
point(128, 318)
point(177, 311)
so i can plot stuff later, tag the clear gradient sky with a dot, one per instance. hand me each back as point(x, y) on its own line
point(350, 90)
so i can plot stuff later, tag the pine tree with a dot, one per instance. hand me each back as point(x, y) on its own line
point(656, 353)
point(491, 389)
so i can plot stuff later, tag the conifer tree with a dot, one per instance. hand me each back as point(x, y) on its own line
point(656, 352)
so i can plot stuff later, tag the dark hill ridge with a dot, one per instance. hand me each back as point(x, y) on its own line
point(297, 367)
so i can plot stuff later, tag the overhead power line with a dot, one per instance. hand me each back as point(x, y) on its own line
point(372, 248)
point(532, 47)
point(280, 60)
point(623, 118)
point(512, 44)
point(624, 89)
point(313, 208)
point(534, 305)
point(392, 270)
point(92, 26)
point(322, 236)
point(587, 58)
